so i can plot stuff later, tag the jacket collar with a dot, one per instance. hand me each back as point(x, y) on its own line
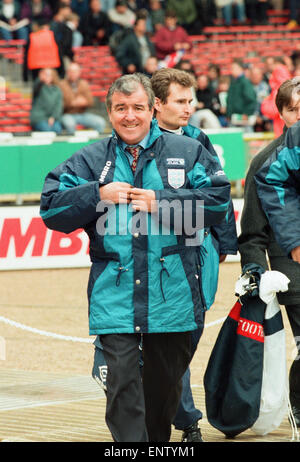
point(191, 131)
point(154, 133)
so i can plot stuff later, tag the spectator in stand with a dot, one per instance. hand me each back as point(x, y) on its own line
point(204, 93)
point(214, 73)
point(241, 98)
point(171, 38)
point(80, 7)
point(95, 25)
point(294, 13)
point(262, 90)
point(289, 63)
point(151, 66)
point(47, 103)
point(268, 66)
point(279, 74)
point(156, 15)
point(137, 5)
point(295, 56)
point(63, 35)
point(186, 65)
point(228, 6)
point(37, 12)
point(187, 15)
point(41, 51)
point(204, 117)
point(12, 26)
point(73, 23)
point(78, 98)
point(135, 49)
point(220, 100)
point(121, 16)
point(256, 11)
point(206, 10)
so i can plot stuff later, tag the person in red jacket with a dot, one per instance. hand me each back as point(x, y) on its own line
point(171, 37)
point(279, 74)
point(41, 51)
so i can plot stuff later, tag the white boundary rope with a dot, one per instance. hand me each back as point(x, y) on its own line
point(18, 325)
point(69, 338)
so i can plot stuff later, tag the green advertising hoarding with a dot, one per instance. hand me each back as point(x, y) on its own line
point(230, 147)
point(24, 166)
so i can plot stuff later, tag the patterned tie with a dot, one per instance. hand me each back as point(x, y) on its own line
point(134, 151)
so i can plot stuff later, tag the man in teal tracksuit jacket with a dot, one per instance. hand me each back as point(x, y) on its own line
point(144, 278)
point(278, 183)
point(173, 89)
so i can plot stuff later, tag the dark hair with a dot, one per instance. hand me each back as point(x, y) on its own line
point(238, 62)
point(286, 92)
point(140, 16)
point(170, 14)
point(129, 83)
point(162, 79)
point(215, 67)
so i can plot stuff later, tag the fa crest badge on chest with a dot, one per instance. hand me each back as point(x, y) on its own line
point(176, 177)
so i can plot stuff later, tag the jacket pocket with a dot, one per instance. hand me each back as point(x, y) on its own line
point(190, 269)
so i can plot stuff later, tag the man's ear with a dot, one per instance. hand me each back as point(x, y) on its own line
point(108, 113)
point(157, 104)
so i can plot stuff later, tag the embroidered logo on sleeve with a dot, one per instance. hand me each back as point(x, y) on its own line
point(105, 171)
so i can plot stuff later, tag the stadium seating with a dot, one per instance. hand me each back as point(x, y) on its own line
point(217, 44)
point(99, 67)
point(14, 113)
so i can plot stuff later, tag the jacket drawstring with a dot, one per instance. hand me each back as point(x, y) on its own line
point(202, 254)
point(161, 276)
point(120, 270)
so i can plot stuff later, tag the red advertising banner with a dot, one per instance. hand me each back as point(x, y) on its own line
point(26, 243)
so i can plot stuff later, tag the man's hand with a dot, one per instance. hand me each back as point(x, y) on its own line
point(118, 192)
point(123, 193)
point(295, 253)
point(181, 46)
point(143, 200)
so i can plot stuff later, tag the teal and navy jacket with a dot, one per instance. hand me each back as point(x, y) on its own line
point(218, 239)
point(140, 281)
point(278, 188)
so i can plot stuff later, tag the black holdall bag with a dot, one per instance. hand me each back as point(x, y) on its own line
point(233, 377)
